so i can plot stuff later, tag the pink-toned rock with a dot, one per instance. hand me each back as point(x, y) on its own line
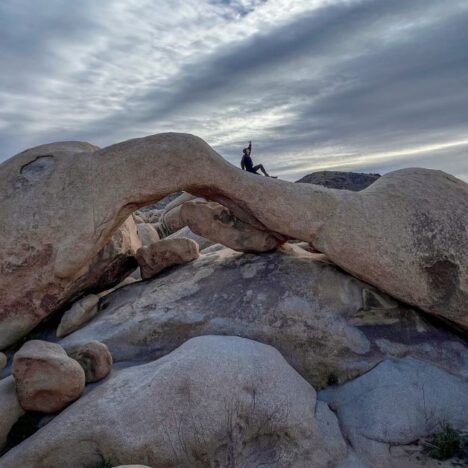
point(10, 409)
point(165, 253)
point(47, 380)
point(95, 359)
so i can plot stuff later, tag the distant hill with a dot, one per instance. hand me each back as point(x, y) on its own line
point(354, 181)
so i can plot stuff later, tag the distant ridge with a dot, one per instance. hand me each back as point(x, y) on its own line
point(354, 181)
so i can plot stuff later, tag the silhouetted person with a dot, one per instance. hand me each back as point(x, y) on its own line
point(247, 163)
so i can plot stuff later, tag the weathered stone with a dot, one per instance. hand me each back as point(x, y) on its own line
point(186, 232)
point(47, 380)
point(215, 401)
point(165, 253)
point(95, 359)
point(396, 403)
point(330, 326)
point(10, 409)
point(147, 234)
point(3, 361)
point(354, 181)
point(80, 313)
point(405, 234)
point(216, 222)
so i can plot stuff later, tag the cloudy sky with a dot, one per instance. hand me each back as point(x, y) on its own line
point(366, 85)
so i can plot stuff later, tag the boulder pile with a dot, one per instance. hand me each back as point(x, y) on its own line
point(245, 321)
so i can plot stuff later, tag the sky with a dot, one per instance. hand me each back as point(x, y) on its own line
point(362, 85)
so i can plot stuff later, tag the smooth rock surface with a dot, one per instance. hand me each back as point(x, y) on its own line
point(328, 325)
point(405, 234)
point(396, 403)
point(47, 380)
point(166, 253)
point(215, 401)
point(217, 223)
point(10, 408)
point(80, 313)
point(186, 232)
point(95, 359)
point(147, 234)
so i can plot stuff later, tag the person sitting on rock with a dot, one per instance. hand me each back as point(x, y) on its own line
point(247, 163)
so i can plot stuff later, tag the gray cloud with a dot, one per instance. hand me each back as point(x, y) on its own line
point(324, 87)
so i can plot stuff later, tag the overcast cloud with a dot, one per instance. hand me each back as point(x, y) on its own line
point(371, 85)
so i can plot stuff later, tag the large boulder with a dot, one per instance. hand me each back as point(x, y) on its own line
point(215, 222)
point(396, 403)
point(330, 326)
point(166, 253)
point(215, 401)
point(186, 232)
point(405, 234)
point(80, 312)
point(10, 408)
point(47, 380)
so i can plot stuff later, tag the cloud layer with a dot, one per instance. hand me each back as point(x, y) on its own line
point(360, 85)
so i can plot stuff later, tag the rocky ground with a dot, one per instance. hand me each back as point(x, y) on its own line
point(202, 333)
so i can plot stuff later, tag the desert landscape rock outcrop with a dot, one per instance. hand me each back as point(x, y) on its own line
point(47, 380)
point(212, 399)
point(405, 234)
point(159, 306)
point(330, 326)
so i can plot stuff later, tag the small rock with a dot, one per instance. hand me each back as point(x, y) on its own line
point(3, 361)
point(165, 253)
point(95, 359)
point(80, 312)
point(147, 234)
point(47, 380)
point(10, 409)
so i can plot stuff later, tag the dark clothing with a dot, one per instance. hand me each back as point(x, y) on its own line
point(247, 163)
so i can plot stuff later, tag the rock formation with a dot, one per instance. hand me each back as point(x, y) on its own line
point(215, 401)
point(47, 380)
point(166, 253)
point(330, 326)
point(3, 361)
point(10, 408)
point(215, 222)
point(405, 234)
point(354, 181)
point(81, 311)
point(95, 359)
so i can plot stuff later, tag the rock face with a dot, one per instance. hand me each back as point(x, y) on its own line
point(405, 234)
point(10, 409)
point(95, 359)
point(147, 234)
point(396, 403)
point(165, 253)
point(354, 181)
point(47, 380)
point(328, 325)
point(81, 311)
point(215, 222)
point(3, 361)
point(186, 232)
point(215, 401)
